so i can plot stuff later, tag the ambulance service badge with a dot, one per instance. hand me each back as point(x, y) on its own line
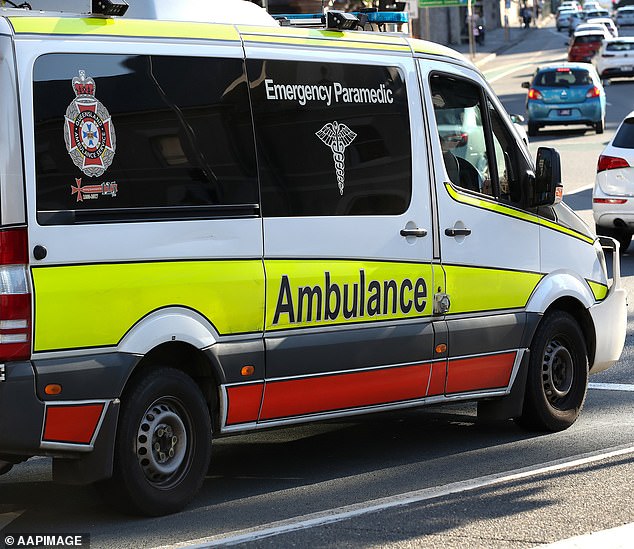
point(88, 129)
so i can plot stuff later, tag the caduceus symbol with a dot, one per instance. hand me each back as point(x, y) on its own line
point(337, 137)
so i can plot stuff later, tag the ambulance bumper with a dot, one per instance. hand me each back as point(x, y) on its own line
point(610, 316)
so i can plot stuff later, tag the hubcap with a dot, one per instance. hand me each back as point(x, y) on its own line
point(557, 371)
point(161, 443)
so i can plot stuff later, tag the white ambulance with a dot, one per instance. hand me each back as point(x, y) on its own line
point(212, 228)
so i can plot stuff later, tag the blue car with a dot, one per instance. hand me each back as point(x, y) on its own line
point(564, 94)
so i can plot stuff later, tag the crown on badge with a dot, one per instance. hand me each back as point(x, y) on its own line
point(83, 85)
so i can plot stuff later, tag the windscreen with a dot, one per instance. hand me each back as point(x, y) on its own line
point(620, 46)
point(588, 39)
point(558, 79)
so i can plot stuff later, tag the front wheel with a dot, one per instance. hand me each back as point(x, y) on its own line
point(557, 376)
point(162, 447)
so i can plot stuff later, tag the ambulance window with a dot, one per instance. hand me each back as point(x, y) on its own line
point(333, 139)
point(127, 137)
point(506, 159)
point(460, 121)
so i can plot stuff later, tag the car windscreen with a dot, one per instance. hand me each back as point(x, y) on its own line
point(620, 46)
point(557, 79)
point(624, 138)
point(587, 39)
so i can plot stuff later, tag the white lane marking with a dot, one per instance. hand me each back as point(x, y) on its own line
point(7, 518)
point(345, 512)
point(614, 538)
point(612, 386)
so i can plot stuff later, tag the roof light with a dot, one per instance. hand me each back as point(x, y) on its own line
point(611, 163)
point(108, 7)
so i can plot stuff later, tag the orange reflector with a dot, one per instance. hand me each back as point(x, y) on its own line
point(442, 348)
point(53, 389)
point(247, 371)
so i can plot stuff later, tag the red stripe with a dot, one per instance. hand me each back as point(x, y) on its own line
point(336, 392)
point(75, 424)
point(438, 377)
point(483, 372)
point(244, 403)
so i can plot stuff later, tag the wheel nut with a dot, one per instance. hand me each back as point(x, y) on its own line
point(174, 440)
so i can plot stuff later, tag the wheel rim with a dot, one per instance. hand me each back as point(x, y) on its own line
point(558, 372)
point(162, 442)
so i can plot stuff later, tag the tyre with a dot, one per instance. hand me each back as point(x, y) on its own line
point(624, 240)
point(162, 447)
point(557, 379)
point(532, 129)
point(598, 126)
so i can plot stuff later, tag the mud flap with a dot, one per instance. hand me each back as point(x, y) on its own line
point(510, 406)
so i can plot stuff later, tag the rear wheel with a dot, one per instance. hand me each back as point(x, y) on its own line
point(163, 445)
point(532, 129)
point(598, 126)
point(558, 375)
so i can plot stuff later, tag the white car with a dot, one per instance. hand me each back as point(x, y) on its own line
point(563, 18)
point(625, 16)
point(606, 22)
point(613, 194)
point(593, 28)
point(615, 58)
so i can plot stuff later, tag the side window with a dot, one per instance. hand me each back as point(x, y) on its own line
point(333, 139)
point(136, 137)
point(506, 159)
point(459, 116)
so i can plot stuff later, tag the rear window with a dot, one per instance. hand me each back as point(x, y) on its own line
point(624, 138)
point(620, 46)
point(587, 39)
point(557, 79)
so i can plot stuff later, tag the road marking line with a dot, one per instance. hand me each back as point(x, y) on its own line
point(612, 386)
point(580, 189)
point(346, 512)
point(614, 538)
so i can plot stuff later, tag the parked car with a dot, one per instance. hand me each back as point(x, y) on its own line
point(563, 18)
point(625, 16)
point(584, 45)
point(615, 58)
point(606, 22)
point(613, 194)
point(565, 94)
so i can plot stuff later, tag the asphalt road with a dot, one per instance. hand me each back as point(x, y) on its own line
point(431, 477)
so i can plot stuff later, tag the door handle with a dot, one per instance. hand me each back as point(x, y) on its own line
point(414, 232)
point(458, 232)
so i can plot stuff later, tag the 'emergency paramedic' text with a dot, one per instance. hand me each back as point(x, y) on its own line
point(330, 93)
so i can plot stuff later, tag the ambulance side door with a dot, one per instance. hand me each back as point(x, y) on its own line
point(489, 243)
point(347, 231)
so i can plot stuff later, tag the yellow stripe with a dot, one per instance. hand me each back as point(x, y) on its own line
point(122, 27)
point(95, 305)
point(473, 289)
point(599, 290)
point(512, 212)
point(323, 38)
point(311, 274)
point(422, 46)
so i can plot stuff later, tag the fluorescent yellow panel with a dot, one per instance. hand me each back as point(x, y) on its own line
point(95, 305)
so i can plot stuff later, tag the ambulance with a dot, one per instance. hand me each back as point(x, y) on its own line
point(214, 228)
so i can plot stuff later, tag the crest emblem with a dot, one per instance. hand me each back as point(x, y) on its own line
point(337, 137)
point(88, 130)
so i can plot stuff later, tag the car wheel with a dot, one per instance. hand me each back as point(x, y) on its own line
point(163, 445)
point(625, 239)
point(598, 126)
point(557, 379)
point(532, 129)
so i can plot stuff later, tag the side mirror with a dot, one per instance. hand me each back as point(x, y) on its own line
point(526, 85)
point(606, 82)
point(547, 186)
